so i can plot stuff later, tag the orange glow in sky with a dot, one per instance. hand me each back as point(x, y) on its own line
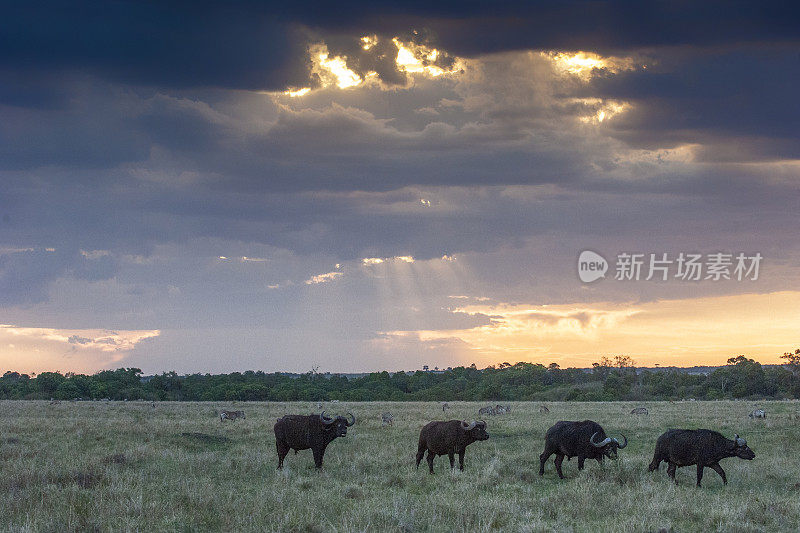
point(702, 331)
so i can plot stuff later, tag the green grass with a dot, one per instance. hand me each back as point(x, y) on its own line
point(127, 466)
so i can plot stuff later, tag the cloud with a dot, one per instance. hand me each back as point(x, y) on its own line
point(250, 45)
point(162, 45)
point(737, 98)
point(372, 261)
point(323, 278)
point(26, 273)
point(34, 349)
point(555, 129)
point(711, 329)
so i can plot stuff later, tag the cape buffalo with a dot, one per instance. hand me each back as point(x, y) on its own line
point(449, 438)
point(586, 440)
point(701, 447)
point(298, 432)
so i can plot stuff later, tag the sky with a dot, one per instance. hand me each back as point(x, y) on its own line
point(224, 186)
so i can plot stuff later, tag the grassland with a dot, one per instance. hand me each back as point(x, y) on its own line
point(175, 467)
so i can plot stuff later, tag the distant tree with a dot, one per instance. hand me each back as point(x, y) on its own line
point(67, 390)
point(624, 361)
point(48, 383)
point(739, 359)
point(793, 361)
point(741, 377)
point(601, 368)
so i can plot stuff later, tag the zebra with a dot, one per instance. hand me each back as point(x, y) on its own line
point(758, 413)
point(543, 409)
point(488, 410)
point(387, 419)
point(501, 409)
point(640, 411)
point(445, 406)
point(231, 415)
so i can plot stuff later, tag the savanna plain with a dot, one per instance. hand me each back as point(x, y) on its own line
point(135, 466)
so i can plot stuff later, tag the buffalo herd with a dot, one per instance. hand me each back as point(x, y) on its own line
point(584, 440)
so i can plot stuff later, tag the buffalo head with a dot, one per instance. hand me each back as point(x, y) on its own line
point(741, 449)
point(609, 445)
point(338, 424)
point(477, 429)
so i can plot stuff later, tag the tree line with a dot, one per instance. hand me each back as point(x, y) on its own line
point(607, 380)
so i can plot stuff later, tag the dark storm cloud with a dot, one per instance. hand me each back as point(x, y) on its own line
point(608, 26)
point(711, 98)
point(160, 43)
point(25, 275)
point(255, 45)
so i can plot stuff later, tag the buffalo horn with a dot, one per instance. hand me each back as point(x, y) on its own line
point(601, 443)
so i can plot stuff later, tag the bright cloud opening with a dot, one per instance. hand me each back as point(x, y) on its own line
point(583, 64)
point(323, 278)
point(332, 70)
point(368, 261)
point(416, 58)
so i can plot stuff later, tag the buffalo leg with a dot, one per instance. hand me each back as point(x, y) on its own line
point(452, 458)
point(671, 471)
point(543, 459)
point(420, 454)
point(559, 460)
point(283, 450)
point(318, 454)
point(461, 460)
point(721, 472)
point(699, 474)
point(581, 460)
point(430, 461)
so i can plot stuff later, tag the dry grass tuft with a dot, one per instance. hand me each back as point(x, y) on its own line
point(117, 459)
